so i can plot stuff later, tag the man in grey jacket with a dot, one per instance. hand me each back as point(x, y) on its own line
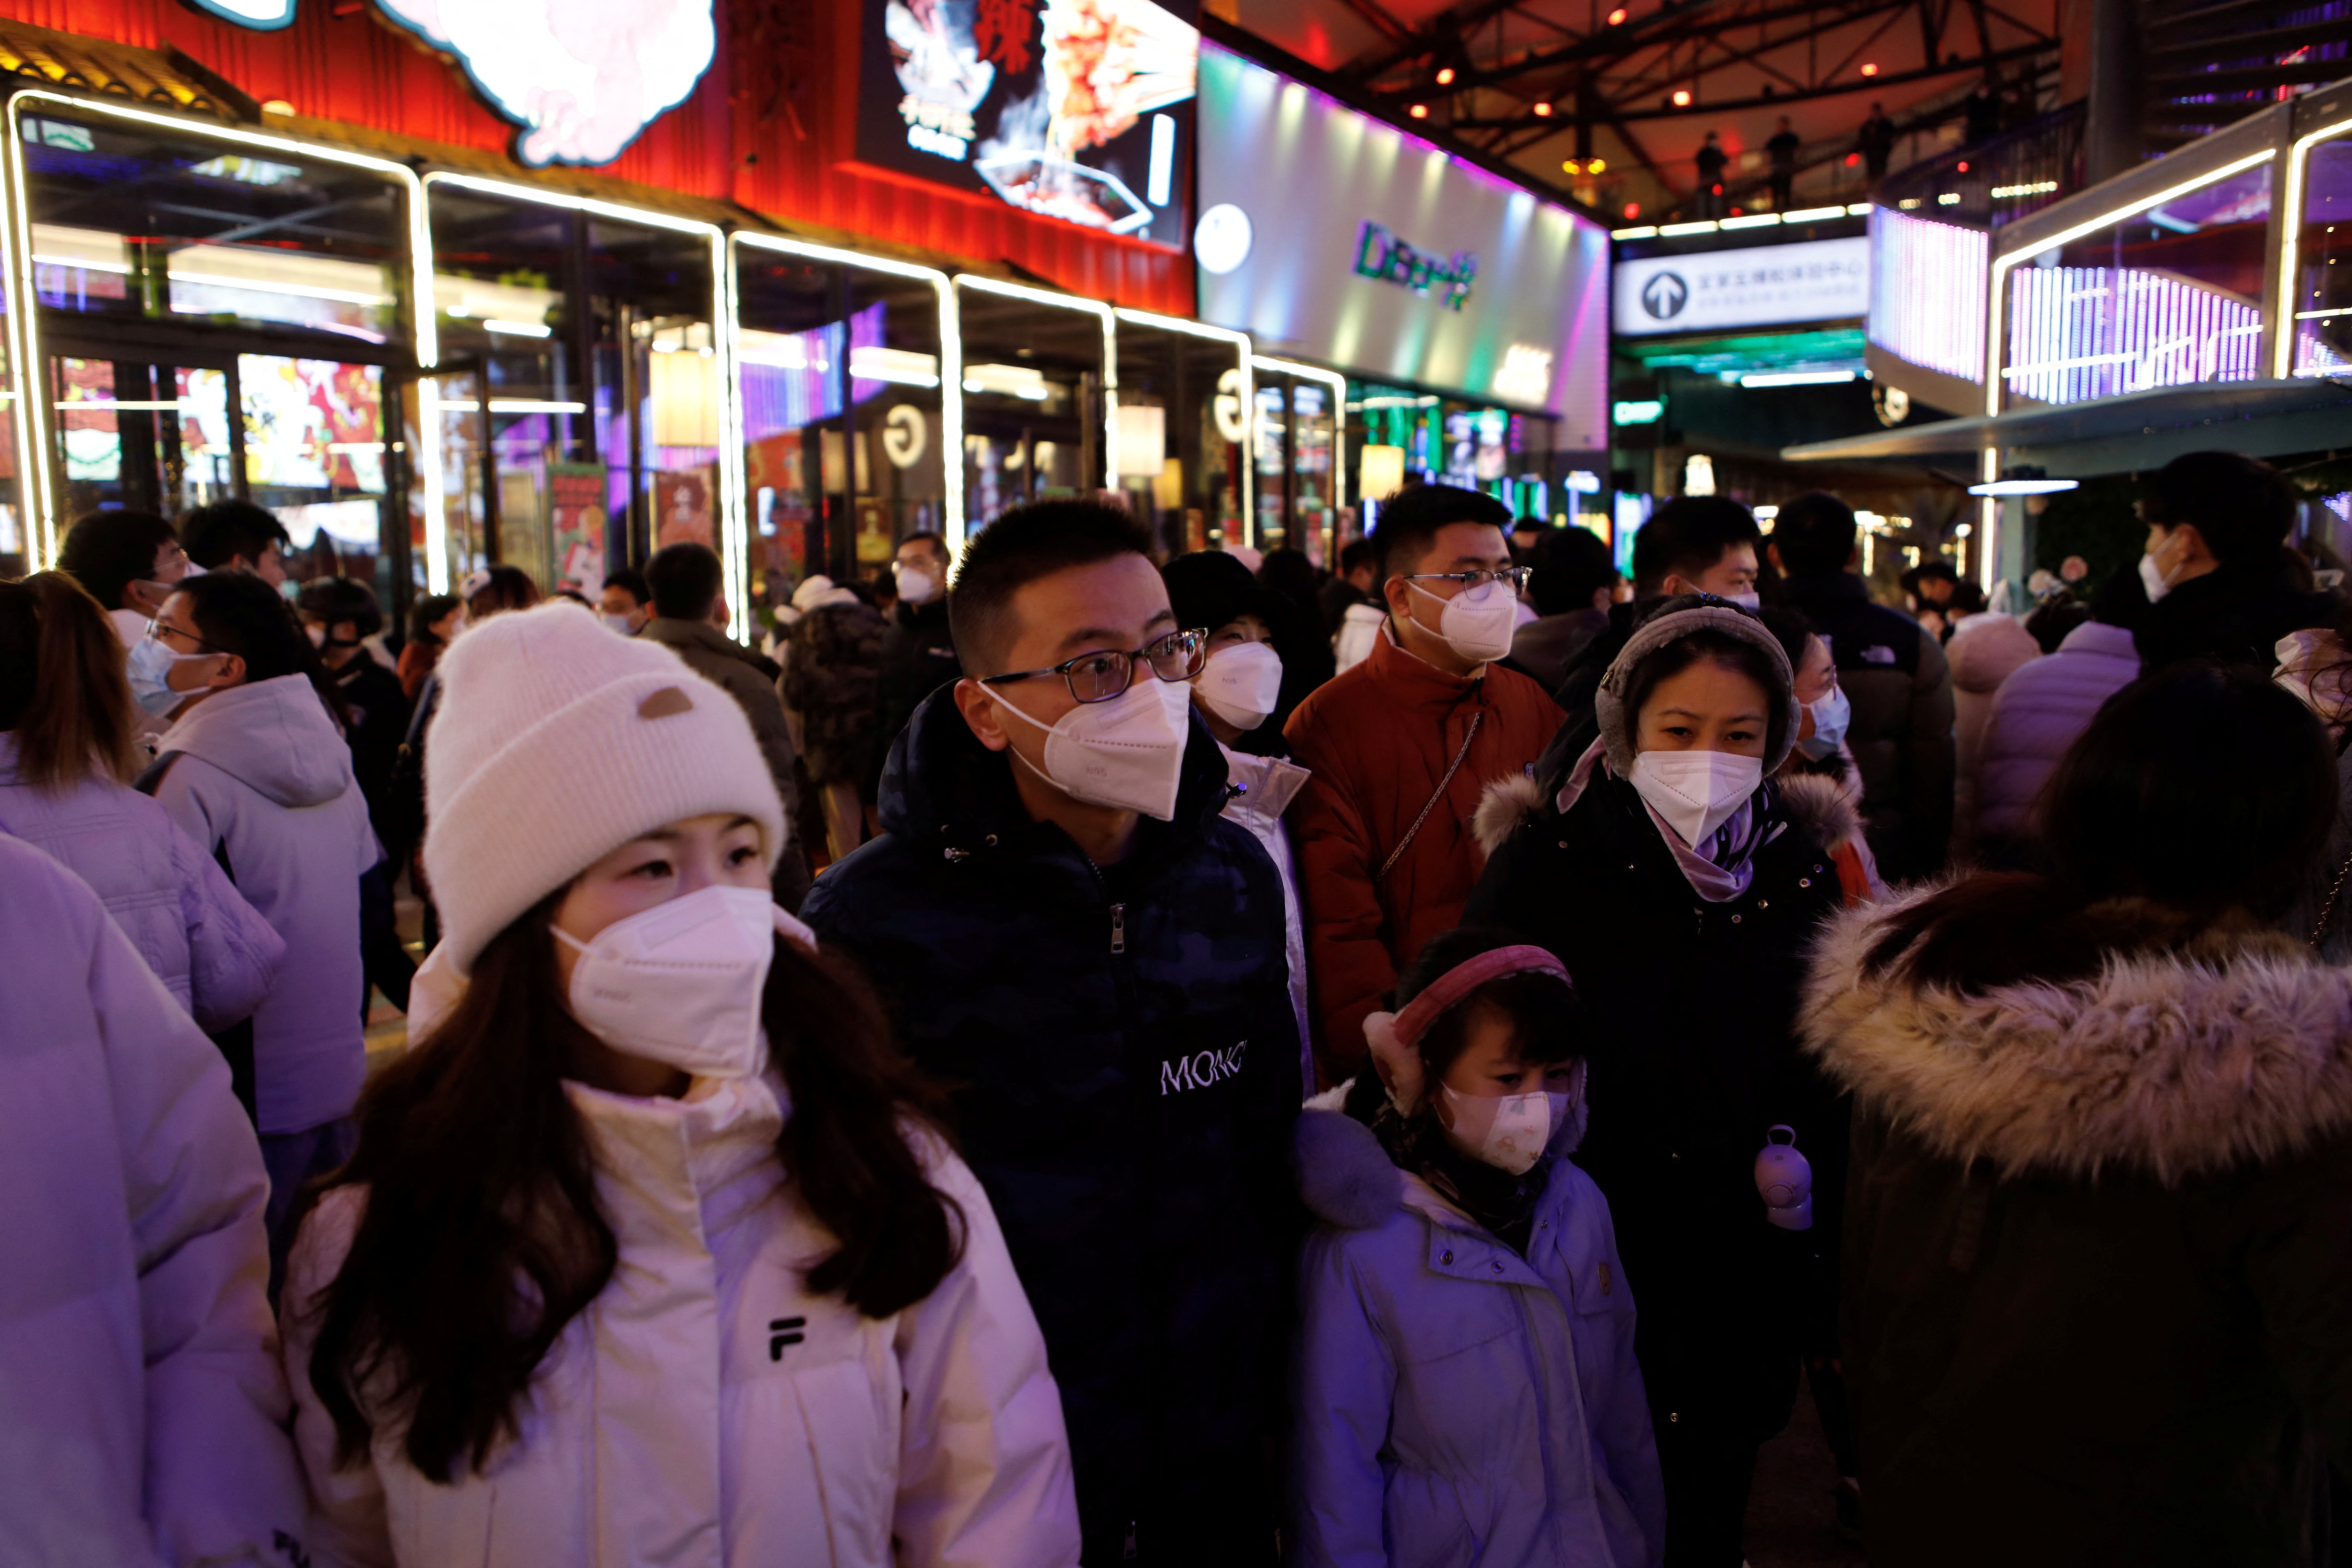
point(684, 580)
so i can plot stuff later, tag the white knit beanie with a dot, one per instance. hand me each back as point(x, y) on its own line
point(555, 743)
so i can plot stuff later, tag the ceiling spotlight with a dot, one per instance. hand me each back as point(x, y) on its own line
point(1632, 209)
point(1543, 111)
point(1597, 166)
point(1870, 70)
point(1964, 165)
point(1682, 98)
point(1617, 18)
point(1419, 111)
point(2023, 487)
point(1446, 75)
point(1570, 166)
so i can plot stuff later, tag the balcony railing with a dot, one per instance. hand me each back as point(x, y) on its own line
point(1997, 180)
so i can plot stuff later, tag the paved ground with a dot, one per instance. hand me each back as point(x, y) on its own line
point(1791, 1520)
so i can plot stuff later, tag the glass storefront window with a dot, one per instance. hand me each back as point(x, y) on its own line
point(2320, 292)
point(845, 438)
point(1034, 397)
point(2167, 296)
point(1198, 376)
point(581, 399)
point(217, 314)
point(1312, 427)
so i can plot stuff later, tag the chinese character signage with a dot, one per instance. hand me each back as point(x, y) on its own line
point(1079, 109)
point(1758, 286)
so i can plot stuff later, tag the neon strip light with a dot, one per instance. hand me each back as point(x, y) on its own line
point(1988, 539)
point(1241, 342)
point(1812, 215)
point(119, 268)
point(2298, 155)
point(1338, 385)
point(1798, 378)
point(2002, 265)
point(733, 532)
point(17, 262)
point(1926, 293)
point(293, 291)
point(519, 328)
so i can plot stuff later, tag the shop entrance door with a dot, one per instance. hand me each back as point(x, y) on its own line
point(143, 435)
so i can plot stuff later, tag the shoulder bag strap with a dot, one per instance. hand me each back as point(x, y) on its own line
point(1456, 767)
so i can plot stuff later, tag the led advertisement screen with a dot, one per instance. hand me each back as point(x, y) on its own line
point(1329, 235)
point(1079, 109)
point(1758, 286)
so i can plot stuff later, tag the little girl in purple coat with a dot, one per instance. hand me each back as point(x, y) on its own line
point(1466, 1388)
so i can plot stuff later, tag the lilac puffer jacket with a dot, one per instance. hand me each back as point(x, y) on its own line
point(1458, 1402)
point(2039, 712)
point(212, 950)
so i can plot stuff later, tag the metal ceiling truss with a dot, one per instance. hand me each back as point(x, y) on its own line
point(1616, 76)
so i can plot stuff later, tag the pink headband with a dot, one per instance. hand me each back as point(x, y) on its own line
point(1395, 1038)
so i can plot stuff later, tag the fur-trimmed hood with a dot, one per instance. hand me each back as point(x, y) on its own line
point(2236, 1047)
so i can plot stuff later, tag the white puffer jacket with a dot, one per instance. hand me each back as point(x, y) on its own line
point(707, 1410)
point(140, 1402)
point(213, 951)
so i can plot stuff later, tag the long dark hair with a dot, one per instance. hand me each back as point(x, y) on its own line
point(62, 689)
point(238, 613)
point(2201, 793)
point(482, 1236)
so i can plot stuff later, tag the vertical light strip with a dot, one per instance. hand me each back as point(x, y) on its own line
point(2297, 157)
point(31, 413)
point(737, 534)
point(1241, 342)
point(1989, 523)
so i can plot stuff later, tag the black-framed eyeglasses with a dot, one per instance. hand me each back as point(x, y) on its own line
point(1106, 673)
point(1517, 576)
point(158, 630)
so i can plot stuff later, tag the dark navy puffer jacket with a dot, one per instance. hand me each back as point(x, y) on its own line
point(1124, 1059)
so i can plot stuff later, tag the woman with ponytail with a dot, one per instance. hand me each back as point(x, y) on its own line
point(2098, 1294)
point(66, 760)
point(653, 1248)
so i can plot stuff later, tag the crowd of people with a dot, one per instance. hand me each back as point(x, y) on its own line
point(1065, 1055)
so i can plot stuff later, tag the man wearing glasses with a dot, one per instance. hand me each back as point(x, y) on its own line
point(1398, 749)
point(1071, 938)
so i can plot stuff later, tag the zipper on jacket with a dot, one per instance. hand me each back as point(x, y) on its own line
point(1118, 928)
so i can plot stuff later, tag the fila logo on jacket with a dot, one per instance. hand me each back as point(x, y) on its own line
point(1202, 1070)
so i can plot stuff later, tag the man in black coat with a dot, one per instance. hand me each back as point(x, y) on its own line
point(919, 654)
point(1893, 671)
point(1073, 938)
point(2216, 582)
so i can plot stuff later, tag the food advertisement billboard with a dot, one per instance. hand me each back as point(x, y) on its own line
point(1079, 109)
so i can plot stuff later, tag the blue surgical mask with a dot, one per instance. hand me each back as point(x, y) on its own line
point(150, 670)
point(1831, 716)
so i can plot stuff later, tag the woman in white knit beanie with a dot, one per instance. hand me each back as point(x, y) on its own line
point(652, 1250)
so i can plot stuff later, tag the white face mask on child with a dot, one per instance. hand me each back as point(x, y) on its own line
point(1509, 1132)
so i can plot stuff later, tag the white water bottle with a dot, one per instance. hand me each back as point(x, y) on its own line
point(1785, 1180)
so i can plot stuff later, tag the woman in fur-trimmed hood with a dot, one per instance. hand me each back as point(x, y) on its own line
point(2098, 1260)
point(1668, 875)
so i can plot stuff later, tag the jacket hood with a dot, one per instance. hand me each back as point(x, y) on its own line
point(1347, 1180)
point(1608, 702)
point(1820, 807)
point(2234, 1048)
point(1985, 650)
point(273, 737)
point(940, 784)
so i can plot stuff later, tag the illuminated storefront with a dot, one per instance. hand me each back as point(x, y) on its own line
point(1431, 318)
point(428, 357)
